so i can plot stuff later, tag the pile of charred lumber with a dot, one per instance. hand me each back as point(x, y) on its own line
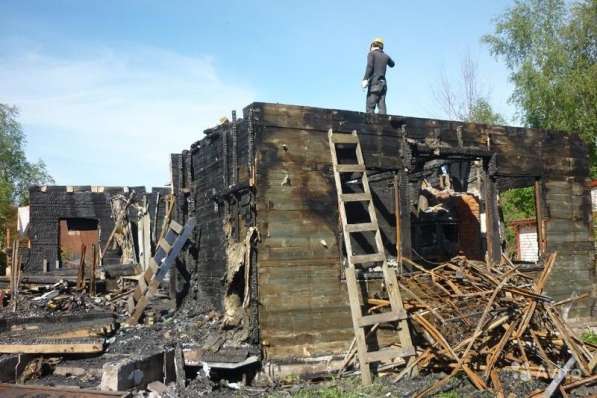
point(64, 334)
point(477, 320)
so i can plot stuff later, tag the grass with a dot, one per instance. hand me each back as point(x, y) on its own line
point(449, 394)
point(589, 337)
point(348, 388)
point(344, 388)
point(321, 392)
point(326, 392)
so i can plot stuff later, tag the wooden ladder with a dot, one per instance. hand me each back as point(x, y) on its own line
point(397, 312)
point(168, 249)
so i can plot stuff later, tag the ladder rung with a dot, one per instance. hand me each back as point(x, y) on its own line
point(350, 168)
point(340, 138)
point(355, 197)
point(367, 226)
point(165, 245)
point(367, 258)
point(387, 354)
point(176, 227)
point(390, 316)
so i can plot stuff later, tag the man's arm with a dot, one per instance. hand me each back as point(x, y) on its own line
point(369, 69)
point(391, 62)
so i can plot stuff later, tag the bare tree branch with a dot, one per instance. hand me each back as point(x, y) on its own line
point(468, 102)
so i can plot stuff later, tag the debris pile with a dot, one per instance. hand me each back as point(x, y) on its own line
point(486, 323)
point(114, 328)
point(73, 333)
point(480, 321)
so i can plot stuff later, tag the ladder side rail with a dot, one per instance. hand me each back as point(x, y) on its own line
point(352, 286)
point(163, 267)
point(179, 243)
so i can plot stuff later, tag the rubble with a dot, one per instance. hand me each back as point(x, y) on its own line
point(483, 322)
point(469, 320)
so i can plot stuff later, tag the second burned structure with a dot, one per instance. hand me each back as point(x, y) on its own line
point(268, 248)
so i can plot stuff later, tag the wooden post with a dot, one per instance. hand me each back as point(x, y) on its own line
point(17, 280)
point(8, 252)
point(81, 274)
point(93, 268)
point(492, 233)
point(14, 275)
point(170, 202)
point(405, 222)
point(154, 227)
point(540, 217)
point(11, 268)
point(11, 280)
point(397, 217)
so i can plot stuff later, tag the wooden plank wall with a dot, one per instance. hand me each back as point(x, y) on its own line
point(569, 231)
point(303, 303)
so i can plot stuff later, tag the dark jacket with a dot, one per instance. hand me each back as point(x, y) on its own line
point(377, 62)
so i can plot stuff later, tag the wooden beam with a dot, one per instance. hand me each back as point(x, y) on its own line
point(64, 347)
point(22, 391)
point(397, 220)
point(179, 368)
point(540, 215)
point(81, 274)
point(92, 287)
point(492, 223)
point(405, 235)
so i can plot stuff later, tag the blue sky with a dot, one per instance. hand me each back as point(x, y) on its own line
point(108, 89)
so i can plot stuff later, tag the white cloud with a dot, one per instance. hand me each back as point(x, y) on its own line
point(130, 106)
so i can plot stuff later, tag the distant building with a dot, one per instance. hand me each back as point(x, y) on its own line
point(527, 246)
point(61, 219)
point(525, 231)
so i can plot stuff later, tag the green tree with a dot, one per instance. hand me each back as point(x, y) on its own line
point(550, 46)
point(516, 204)
point(482, 112)
point(16, 173)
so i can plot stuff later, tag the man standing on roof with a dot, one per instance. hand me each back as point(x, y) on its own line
point(375, 77)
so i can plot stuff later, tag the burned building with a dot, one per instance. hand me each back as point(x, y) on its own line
point(63, 219)
point(268, 242)
point(307, 241)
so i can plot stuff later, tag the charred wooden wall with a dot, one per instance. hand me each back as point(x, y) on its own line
point(211, 182)
point(49, 207)
point(303, 305)
point(568, 228)
point(272, 169)
point(50, 204)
